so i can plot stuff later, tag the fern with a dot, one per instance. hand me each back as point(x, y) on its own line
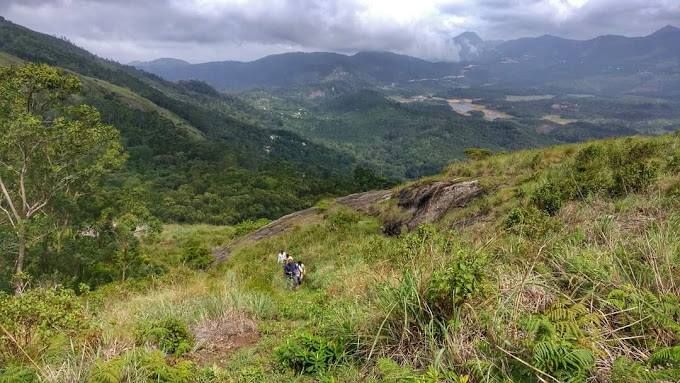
point(660, 311)
point(150, 366)
point(390, 371)
point(18, 374)
point(570, 321)
point(666, 357)
point(107, 372)
point(484, 371)
point(563, 361)
point(625, 371)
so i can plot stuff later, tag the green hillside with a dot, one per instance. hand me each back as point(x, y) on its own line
point(195, 155)
point(417, 138)
point(556, 264)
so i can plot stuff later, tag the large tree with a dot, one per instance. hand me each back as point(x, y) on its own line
point(50, 149)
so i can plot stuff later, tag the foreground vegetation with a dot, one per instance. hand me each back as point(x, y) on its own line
point(564, 270)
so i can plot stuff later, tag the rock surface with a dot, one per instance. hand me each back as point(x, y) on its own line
point(359, 201)
point(424, 202)
point(428, 202)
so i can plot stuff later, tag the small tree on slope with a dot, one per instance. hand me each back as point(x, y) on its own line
point(48, 149)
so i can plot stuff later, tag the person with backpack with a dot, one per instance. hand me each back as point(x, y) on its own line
point(292, 272)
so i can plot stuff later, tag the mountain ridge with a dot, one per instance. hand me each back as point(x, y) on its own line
point(529, 60)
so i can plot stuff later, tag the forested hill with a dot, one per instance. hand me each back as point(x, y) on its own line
point(287, 69)
point(190, 162)
point(606, 65)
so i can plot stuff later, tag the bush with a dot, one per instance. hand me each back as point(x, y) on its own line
point(196, 255)
point(591, 171)
point(674, 162)
point(634, 177)
point(673, 190)
point(248, 226)
point(324, 204)
point(391, 372)
point(561, 341)
point(548, 198)
point(170, 334)
point(477, 153)
point(311, 354)
point(459, 281)
point(35, 317)
point(343, 217)
point(529, 221)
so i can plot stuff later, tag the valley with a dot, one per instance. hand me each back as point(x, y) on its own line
point(508, 215)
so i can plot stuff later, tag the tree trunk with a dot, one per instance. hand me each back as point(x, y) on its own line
point(20, 259)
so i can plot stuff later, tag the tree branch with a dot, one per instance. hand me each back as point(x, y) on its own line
point(9, 200)
point(9, 216)
point(22, 185)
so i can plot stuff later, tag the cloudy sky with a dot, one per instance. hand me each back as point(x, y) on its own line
point(211, 30)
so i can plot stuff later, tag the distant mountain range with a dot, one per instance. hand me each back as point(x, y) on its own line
point(365, 68)
point(651, 65)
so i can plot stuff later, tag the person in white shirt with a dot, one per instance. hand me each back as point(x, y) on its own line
point(282, 256)
point(301, 266)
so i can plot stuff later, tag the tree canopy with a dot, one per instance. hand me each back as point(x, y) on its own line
point(50, 149)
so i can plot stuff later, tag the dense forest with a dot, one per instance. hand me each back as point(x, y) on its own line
point(200, 164)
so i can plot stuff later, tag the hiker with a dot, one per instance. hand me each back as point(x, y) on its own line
point(303, 271)
point(282, 256)
point(292, 272)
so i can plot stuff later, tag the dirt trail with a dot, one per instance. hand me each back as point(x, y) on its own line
point(359, 201)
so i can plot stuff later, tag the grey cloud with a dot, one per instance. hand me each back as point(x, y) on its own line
point(132, 29)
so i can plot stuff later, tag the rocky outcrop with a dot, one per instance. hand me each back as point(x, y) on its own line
point(363, 202)
point(422, 202)
point(428, 202)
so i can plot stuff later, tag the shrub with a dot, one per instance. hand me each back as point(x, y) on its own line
point(673, 163)
point(324, 204)
point(477, 153)
point(343, 217)
point(673, 190)
point(644, 313)
point(391, 372)
point(249, 225)
point(591, 171)
point(625, 371)
point(548, 197)
point(196, 255)
point(311, 354)
point(529, 221)
point(562, 360)
point(170, 334)
point(634, 177)
point(557, 340)
point(36, 316)
point(452, 285)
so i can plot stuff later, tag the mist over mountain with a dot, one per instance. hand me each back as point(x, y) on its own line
point(649, 62)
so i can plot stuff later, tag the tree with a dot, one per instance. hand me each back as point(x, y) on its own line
point(50, 149)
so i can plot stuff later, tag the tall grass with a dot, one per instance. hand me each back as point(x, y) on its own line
point(605, 256)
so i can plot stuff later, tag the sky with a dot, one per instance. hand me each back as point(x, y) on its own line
point(216, 30)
